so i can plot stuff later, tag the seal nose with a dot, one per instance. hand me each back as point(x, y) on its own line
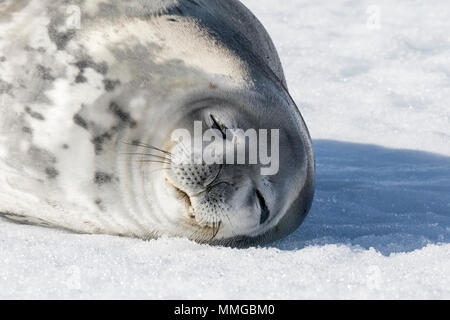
point(193, 178)
point(189, 172)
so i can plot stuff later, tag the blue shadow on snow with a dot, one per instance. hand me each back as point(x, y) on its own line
point(370, 196)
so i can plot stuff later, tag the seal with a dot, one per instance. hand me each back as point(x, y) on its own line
point(91, 93)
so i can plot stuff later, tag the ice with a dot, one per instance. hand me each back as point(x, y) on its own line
point(372, 79)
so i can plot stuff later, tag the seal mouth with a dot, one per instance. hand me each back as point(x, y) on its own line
point(183, 196)
point(190, 213)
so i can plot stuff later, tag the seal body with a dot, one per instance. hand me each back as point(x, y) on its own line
point(90, 93)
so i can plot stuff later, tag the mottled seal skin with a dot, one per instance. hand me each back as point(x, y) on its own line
point(89, 89)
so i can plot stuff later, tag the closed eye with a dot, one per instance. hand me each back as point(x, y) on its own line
point(264, 210)
point(215, 125)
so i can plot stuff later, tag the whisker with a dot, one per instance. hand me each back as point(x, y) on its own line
point(216, 228)
point(196, 234)
point(212, 184)
point(143, 145)
point(153, 161)
point(146, 154)
point(160, 169)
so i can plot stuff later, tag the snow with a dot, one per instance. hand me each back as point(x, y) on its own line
point(372, 82)
point(52, 264)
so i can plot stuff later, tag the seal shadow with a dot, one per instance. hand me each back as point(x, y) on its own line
point(374, 197)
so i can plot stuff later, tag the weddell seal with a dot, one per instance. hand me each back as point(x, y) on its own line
point(92, 92)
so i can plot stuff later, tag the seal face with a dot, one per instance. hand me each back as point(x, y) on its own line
point(91, 94)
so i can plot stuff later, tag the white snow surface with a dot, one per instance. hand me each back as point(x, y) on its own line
point(372, 80)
